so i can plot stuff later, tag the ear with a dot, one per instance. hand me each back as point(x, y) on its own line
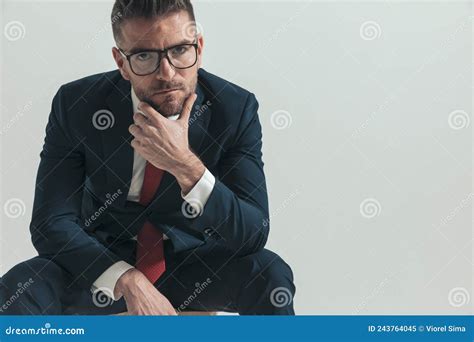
point(200, 49)
point(121, 63)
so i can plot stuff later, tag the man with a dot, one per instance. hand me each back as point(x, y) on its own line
point(150, 195)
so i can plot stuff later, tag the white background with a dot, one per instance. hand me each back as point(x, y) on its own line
point(358, 100)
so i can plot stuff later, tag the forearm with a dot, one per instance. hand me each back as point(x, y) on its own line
point(242, 225)
point(67, 244)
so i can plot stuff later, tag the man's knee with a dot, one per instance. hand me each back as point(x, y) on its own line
point(267, 284)
point(31, 270)
point(26, 285)
point(268, 271)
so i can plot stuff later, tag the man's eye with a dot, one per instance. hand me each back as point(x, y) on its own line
point(179, 50)
point(143, 56)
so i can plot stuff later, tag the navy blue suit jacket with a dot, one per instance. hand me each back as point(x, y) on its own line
point(81, 217)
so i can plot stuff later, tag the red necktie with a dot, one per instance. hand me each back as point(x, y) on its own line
point(150, 252)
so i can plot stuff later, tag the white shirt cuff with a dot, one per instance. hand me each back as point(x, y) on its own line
point(107, 280)
point(201, 191)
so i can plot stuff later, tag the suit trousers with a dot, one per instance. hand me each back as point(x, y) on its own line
point(256, 284)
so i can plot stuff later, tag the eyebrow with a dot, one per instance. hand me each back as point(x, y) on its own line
point(137, 49)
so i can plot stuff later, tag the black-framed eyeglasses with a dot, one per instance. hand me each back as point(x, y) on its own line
point(146, 62)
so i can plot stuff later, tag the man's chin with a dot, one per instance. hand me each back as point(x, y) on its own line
point(168, 107)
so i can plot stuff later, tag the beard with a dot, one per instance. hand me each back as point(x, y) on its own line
point(168, 104)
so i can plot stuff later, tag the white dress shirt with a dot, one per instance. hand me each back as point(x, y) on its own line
point(199, 194)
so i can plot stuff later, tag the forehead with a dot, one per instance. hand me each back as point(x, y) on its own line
point(157, 32)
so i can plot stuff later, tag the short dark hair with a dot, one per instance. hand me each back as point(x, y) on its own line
point(128, 9)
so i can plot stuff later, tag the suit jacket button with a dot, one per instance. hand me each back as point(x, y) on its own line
point(209, 231)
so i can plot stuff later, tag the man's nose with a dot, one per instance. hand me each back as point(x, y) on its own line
point(166, 71)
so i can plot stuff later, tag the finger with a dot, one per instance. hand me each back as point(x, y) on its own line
point(140, 119)
point(145, 126)
point(187, 106)
point(150, 113)
point(135, 144)
point(134, 130)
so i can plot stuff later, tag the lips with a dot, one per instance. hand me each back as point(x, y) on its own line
point(166, 91)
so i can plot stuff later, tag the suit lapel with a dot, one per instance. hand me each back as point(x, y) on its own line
point(198, 121)
point(118, 152)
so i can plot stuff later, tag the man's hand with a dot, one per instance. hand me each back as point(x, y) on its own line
point(141, 296)
point(164, 143)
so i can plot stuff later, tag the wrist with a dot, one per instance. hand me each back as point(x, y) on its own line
point(125, 282)
point(189, 172)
